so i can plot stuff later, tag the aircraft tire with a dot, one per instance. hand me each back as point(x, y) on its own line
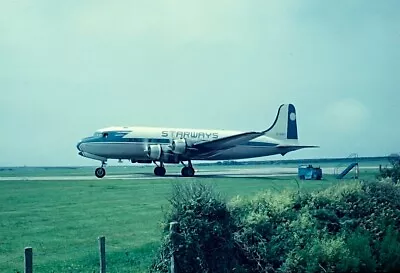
point(100, 172)
point(187, 172)
point(159, 171)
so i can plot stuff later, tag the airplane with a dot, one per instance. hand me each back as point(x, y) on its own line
point(176, 145)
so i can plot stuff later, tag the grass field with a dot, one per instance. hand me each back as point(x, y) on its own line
point(61, 220)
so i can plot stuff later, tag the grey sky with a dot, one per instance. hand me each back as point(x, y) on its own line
point(68, 68)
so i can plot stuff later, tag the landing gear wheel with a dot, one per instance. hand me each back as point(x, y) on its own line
point(100, 172)
point(159, 171)
point(187, 171)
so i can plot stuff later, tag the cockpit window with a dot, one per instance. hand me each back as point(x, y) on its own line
point(97, 134)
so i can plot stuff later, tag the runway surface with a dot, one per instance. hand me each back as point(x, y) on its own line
point(218, 172)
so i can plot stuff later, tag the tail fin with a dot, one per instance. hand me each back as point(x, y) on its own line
point(285, 125)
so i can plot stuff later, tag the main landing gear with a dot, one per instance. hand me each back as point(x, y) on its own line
point(100, 172)
point(159, 170)
point(187, 171)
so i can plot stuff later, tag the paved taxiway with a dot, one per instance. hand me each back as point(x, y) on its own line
point(220, 172)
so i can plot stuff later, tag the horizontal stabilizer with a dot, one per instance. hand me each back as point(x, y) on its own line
point(297, 146)
point(290, 148)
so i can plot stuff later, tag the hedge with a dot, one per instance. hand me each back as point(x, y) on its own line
point(349, 227)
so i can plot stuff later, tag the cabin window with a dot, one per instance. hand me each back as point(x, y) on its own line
point(105, 135)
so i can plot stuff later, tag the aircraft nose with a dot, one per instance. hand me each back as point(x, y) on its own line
point(78, 145)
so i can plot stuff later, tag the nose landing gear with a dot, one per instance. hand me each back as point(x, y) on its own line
point(100, 172)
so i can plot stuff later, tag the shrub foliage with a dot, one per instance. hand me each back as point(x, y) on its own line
point(204, 239)
point(394, 171)
point(352, 227)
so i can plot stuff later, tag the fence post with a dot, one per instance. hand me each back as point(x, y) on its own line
point(173, 229)
point(102, 250)
point(28, 268)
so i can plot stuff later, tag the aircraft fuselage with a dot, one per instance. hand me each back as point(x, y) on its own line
point(174, 145)
point(131, 142)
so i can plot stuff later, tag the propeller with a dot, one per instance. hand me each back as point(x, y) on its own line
point(172, 146)
point(147, 149)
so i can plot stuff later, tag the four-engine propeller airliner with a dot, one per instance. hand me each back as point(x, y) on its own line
point(173, 145)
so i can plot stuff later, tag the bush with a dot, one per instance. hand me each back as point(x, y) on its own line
point(389, 250)
point(350, 227)
point(205, 241)
point(393, 172)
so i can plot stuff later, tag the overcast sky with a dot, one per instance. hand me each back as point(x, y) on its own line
point(68, 68)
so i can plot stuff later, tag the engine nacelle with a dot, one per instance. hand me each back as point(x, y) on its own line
point(179, 146)
point(154, 151)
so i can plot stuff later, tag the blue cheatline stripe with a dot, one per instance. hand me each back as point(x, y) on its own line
point(133, 140)
point(150, 140)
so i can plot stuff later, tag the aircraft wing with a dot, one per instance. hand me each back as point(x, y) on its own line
point(226, 142)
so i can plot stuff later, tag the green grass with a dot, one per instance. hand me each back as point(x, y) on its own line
point(61, 220)
point(65, 171)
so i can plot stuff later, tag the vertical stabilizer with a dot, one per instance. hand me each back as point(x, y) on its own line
point(285, 125)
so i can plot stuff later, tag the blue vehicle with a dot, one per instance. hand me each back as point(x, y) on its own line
point(308, 172)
